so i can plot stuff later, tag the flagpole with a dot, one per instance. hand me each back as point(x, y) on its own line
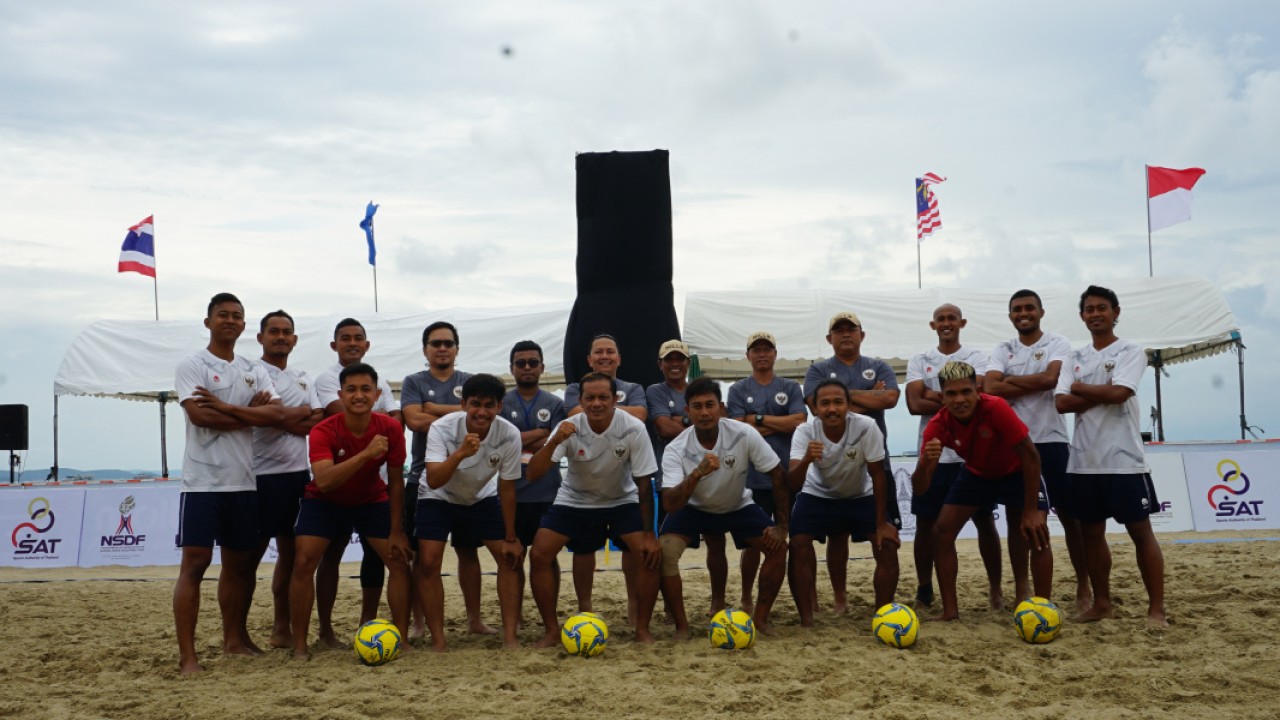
point(155, 294)
point(1146, 175)
point(375, 288)
point(917, 263)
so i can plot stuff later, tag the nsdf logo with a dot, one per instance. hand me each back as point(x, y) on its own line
point(33, 538)
point(124, 538)
point(1229, 498)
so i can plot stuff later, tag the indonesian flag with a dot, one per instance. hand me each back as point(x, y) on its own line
point(138, 253)
point(1169, 196)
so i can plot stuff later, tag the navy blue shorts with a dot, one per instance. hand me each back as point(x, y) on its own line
point(438, 519)
point(690, 522)
point(1053, 468)
point(228, 519)
point(278, 496)
point(820, 517)
point(322, 518)
point(929, 505)
point(1126, 497)
point(529, 519)
point(588, 528)
point(973, 491)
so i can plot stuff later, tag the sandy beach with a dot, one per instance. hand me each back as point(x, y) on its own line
point(99, 643)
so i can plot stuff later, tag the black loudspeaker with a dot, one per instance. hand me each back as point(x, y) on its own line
point(13, 427)
point(624, 262)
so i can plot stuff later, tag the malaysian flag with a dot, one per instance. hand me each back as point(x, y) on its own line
point(927, 217)
point(138, 253)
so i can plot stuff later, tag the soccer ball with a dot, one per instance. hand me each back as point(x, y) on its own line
point(377, 642)
point(732, 630)
point(1037, 620)
point(895, 625)
point(584, 634)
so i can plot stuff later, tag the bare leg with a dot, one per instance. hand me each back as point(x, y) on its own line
point(1151, 565)
point(629, 563)
point(718, 570)
point(1075, 551)
point(417, 604)
point(923, 552)
point(431, 589)
point(885, 580)
point(281, 633)
point(398, 581)
point(673, 547)
point(646, 589)
point(469, 582)
point(1098, 558)
point(989, 549)
point(508, 596)
point(771, 574)
point(186, 604)
point(804, 570)
point(838, 569)
point(546, 545)
point(945, 530)
point(235, 584)
point(520, 585)
point(584, 577)
point(1019, 554)
point(309, 549)
point(325, 590)
point(749, 565)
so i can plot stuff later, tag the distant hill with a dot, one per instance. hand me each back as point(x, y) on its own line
point(66, 473)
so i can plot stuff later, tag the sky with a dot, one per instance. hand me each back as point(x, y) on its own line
point(256, 132)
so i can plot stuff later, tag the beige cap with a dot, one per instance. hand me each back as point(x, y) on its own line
point(844, 317)
point(671, 346)
point(759, 335)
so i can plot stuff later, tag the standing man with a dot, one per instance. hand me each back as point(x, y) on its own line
point(873, 388)
point(605, 493)
point(535, 414)
point(924, 398)
point(837, 467)
point(1000, 465)
point(1108, 473)
point(351, 343)
point(223, 395)
point(280, 461)
point(706, 494)
point(473, 457)
point(774, 406)
point(349, 453)
point(425, 397)
point(1024, 371)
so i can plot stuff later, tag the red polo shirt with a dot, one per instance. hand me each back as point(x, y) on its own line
point(986, 441)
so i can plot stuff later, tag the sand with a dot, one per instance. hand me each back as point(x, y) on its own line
point(100, 644)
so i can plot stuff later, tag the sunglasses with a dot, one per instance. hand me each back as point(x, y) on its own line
point(442, 343)
point(523, 363)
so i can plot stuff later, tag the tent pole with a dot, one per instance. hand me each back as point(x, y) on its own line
point(164, 445)
point(55, 437)
point(1244, 424)
point(1159, 366)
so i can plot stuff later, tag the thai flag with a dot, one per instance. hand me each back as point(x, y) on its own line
point(138, 253)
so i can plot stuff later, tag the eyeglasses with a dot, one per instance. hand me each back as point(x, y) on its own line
point(442, 343)
point(523, 363)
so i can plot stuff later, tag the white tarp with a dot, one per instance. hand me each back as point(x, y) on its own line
point(137, 359)
point(1183, 317)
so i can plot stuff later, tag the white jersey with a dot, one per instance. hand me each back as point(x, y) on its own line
point(1036, 410)
point(842, 472)
point(327, 391)
point(476, 477)
point(275, 450)
point(1107, 438)
point(601, 467)
point(738, 446)
point(219, 460)
point(925, 368)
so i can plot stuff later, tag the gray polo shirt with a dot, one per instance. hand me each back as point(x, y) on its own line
point(544, 412)
point(420, 388)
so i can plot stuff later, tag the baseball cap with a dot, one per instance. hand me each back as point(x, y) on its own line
point(671, 346)
point(759, 335)
point(844, 317)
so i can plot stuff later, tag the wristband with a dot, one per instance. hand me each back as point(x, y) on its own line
point(759, 419)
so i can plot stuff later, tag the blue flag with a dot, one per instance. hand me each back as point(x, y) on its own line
point(367, 225)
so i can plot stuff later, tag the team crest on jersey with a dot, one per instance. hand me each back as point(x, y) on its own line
point(514, 414)
point(928, 369)
point(457, 391)
point(984, 433)
point(671, 403)
point(619, 396)
point(833, 376)
point(851, 454)
point(543, 415)
point(620, 451)
point(869, 374)
point(1109, 365)
point(248, 380)
point(431, 393)
point(494, 459)
point(780, 398)
point(1039, 355)
point(750, 399)
point(730, 461)
point(217, 379)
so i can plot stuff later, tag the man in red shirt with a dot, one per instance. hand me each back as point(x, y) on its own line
point(345, 490)
point(1000, 464)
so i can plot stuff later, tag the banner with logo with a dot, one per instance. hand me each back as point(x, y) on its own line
point(1233, 490)
point(1169, 477)
point(41, 526)
point(130, 525)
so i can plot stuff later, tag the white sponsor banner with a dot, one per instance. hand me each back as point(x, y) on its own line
point(130, 525)
point(353, 553)
point(1170, 480)
point(1233, 490)
point(902, 469)
point(41, 526)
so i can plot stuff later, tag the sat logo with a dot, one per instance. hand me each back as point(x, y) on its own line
point(30, 537)
point(1226, 505)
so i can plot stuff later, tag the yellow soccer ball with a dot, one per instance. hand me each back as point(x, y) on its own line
point(895, 625)
point(732, 630)
point(584, 634)
point(1037, 620)
point(377, 642)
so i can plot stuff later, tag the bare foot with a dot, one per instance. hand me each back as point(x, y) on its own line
point(478, 627)
point(511, 644)
point(417, 632)
point(301, 654)
point(644, 636)
point(748, 605)
point(330, 640)
point(281, 639)
point(764, 628)
point(841, 605)
point(439, 646)
point(945, 617)
point(190, 667)
point(1094, 614)
point(924, 597)
point(1083, 602)
point(680, 634)
point(995, 598)
point(1156, 619)
point(240, 649)
point(547, 641)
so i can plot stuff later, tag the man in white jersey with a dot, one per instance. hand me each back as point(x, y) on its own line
point(473, 463)
point(351, 343)
point(1108, 471)
point(836, 467)
point(705, 474)
point(606, 492)
point(1024, 371)
point(427, 396)
point(280, 461)
point(223, 395)
point(774, 406)
point(924, 398)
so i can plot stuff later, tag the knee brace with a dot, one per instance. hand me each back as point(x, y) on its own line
point(673, 546)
